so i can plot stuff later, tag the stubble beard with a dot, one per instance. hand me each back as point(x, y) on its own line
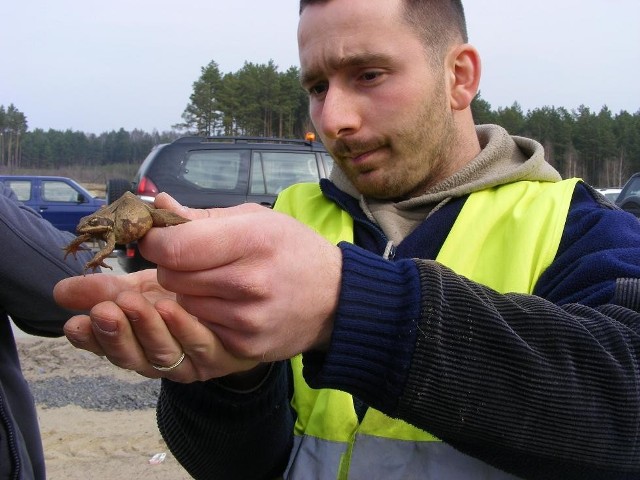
point(432, 144)
point(422, 156)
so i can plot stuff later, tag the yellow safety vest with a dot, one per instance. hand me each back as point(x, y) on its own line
point(504, 238)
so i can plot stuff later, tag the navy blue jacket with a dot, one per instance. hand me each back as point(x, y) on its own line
point(32, 264)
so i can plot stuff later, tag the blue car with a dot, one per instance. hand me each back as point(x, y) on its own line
point(60, 200)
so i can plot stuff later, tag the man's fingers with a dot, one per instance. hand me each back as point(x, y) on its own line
point(158, 345)
point(69, 292)
point(165, 201)
point(112, 331)
point(223, 235)
point(206, 353)
point(83, 292)
point(80, 334)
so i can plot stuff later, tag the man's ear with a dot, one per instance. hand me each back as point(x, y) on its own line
point(463, 64)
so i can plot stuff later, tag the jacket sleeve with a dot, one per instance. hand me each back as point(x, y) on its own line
point(33, 264)
point(542, 386)
point(215, 432)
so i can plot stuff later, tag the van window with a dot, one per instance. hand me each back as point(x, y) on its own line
point(55, 191)
point(272, 172)
point(216, 170)
point(22, 188)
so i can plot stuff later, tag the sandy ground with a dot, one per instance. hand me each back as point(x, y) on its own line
point(81, 443)
point(88, 444)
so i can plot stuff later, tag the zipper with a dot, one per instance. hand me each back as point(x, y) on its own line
point(389, 251)
point(11, 440)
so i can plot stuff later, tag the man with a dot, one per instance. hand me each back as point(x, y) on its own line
point(32, 264)
point(462, 314)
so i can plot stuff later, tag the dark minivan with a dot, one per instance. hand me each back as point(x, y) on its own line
point(629, 197)
point(205, 172)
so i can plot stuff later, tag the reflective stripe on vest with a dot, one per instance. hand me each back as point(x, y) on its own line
point(504, 237)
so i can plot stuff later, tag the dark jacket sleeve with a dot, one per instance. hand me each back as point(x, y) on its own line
point(33, 263)
point(542, 386)
point(215, 432)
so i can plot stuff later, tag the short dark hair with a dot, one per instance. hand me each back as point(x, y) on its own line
point(438, 22)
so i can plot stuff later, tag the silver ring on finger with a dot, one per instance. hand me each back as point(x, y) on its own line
point(170, 367)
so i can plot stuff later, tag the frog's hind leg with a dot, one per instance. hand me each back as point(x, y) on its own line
point(166, 218)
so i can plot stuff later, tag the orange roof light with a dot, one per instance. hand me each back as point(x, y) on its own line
point(310, 137)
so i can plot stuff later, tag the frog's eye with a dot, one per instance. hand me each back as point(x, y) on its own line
point(100, 222)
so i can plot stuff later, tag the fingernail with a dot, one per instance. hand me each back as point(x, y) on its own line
point(75, 337)
point(105, 326)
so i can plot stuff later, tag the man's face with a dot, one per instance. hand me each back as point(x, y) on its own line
point(378, 104)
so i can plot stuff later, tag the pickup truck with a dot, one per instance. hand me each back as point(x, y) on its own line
point(60, 200)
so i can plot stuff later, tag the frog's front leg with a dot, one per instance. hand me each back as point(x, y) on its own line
point(98, 259)
point(75, 245)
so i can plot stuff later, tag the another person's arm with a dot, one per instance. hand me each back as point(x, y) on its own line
point(33, 263)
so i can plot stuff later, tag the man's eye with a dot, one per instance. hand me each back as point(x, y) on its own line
point(318, 89)
point(370, 76)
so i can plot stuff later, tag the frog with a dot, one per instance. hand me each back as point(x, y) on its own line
point(125, 220)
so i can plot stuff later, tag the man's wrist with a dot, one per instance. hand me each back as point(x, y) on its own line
point(248, 381)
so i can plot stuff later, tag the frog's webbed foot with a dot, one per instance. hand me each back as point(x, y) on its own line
point(98, 259)
point(76, 245)
point(94, 263)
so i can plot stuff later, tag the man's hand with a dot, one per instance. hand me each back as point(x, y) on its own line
point(264, 283)
point(135, 323)
point(235, 288)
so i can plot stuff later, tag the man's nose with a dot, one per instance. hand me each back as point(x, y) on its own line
point(340, 114)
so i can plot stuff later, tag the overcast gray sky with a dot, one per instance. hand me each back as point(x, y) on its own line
point(99, 66)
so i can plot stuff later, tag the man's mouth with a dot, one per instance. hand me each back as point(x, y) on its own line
point(357, 154)
point(361, 157)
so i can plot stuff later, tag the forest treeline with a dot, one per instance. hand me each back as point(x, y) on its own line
point(259, 100)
